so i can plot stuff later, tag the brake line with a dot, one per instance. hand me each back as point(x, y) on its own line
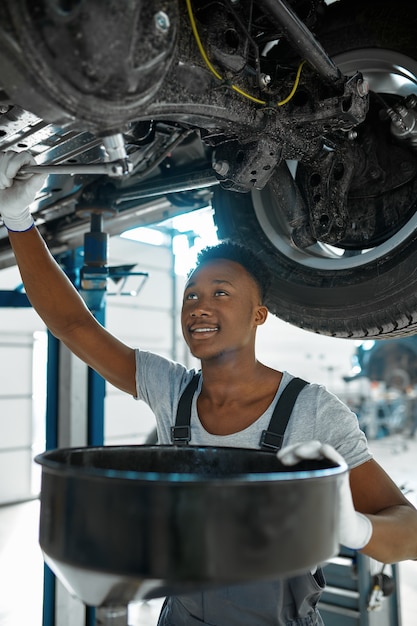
point(219, 77)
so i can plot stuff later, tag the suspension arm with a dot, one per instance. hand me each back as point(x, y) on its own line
point(303, 40)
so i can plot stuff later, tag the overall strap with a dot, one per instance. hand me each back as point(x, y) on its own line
point(181, 432)
point(272, 438)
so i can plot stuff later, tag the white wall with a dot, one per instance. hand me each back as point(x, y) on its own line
point(19, 425)
point(146, 321)
point(315, 358)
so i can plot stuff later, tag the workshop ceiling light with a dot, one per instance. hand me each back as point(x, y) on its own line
point(189, 233)
point(195, 231)
point(144, 234)
point(367, 345)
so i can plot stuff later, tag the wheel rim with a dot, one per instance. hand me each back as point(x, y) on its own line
point(386, 72)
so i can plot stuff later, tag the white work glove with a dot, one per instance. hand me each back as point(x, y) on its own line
point(16, 194)
point(355, 529)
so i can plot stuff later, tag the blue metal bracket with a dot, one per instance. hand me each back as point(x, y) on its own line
point(13, 299)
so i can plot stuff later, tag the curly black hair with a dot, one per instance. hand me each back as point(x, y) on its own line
point(246, 257)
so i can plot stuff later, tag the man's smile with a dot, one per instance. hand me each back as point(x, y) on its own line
point(203, 329)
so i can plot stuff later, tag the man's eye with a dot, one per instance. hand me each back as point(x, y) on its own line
point(191, 296)
point(220, 292)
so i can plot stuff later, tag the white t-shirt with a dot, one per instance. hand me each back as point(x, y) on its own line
point(317, 413)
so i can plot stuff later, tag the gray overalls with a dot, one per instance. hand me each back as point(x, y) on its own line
point(287, 602)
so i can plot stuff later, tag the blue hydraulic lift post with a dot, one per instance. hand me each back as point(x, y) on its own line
point(96, 393)
point(71, 263)
point(16, 299)
point(95, 249)
point(51, 441)
point(93, 281)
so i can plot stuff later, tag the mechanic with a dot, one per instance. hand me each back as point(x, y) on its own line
point(222, 308)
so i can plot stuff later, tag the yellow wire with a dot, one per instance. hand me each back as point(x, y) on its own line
point(219, 77)
point(294, 88)
point(246, 95)
point(198, 40)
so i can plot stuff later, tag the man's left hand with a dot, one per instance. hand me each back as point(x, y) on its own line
point(355, 529)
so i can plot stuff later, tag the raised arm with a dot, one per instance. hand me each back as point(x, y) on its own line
point(50, 292)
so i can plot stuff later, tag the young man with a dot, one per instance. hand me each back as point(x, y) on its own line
point(224, 303)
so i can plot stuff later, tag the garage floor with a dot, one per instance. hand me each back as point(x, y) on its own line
point(21, 565)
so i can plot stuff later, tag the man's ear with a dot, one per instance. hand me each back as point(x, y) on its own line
point(261, 315)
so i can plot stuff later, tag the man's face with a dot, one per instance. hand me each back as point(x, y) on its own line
point(221, 309)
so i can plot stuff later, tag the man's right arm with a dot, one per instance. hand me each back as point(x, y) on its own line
point(49, 290)
point(64, 312)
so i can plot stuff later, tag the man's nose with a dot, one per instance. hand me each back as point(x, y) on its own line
point(200, 309)
point(199, 312)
